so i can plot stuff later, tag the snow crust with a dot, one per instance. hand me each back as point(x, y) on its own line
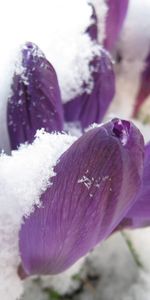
point(24, 176)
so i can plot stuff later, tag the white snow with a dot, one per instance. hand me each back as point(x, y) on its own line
point(24, 176)
point(101, 11)
point(58, 283)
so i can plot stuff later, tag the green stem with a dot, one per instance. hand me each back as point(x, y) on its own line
point(132, 250)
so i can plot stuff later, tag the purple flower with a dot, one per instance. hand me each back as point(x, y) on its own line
point(96, 181)
point(144, 90)
point(117, 10)
point(35, 98)
point(138, 215)
point(88, 108)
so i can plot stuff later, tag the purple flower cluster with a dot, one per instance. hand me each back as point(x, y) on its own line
point(99, 184)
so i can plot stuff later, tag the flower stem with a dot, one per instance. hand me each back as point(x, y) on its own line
point(132, 250)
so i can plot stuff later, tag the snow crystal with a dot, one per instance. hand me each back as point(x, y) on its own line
point(93, 125)
point(90, 182)
point(23, 178)
point(86, 181)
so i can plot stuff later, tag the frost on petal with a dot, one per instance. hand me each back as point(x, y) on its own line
point(144, 90)
point(95, 184)
point(91, 107)
point(139, 214)
point(35, 101)
point(114, 20)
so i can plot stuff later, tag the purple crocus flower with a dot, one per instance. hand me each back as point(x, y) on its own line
point(138, 215)
point(144, 90)
point(35, 100)
point(117, 10)
point(88, 108)
point(84, 204)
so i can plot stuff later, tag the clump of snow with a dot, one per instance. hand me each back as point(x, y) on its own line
point(23, 178)
point(19, 68)
point(64, 283)
point(73, 128)
point(93, 125)
point(141, 289)
point(33, 291)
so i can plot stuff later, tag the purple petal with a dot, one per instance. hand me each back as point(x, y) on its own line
point(139, 214)
point(144, 90)
point(35, 101)
point(95, 184)
point(90, 108)
point(117, 10)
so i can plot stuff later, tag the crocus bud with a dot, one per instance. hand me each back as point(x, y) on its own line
point(116, 14)
point(35, 101)
point(144, 89)
point(139, 214)
point(95, 185)
point(91, 107)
